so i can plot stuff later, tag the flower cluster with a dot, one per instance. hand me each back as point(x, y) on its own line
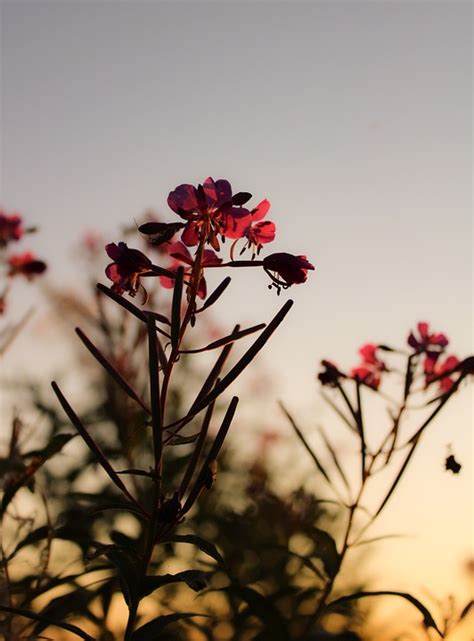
point(436, 365)
point(24, 264)
point(211, 214)
point(428, 354)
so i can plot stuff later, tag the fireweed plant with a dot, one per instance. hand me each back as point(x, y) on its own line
point(426, 376)
point(210, 214)
point(14, 265)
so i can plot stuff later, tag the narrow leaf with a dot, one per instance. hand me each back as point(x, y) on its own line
point(28, 614)
point(176, 308)
point(226, 340)
point(299, 433)
point(151, 631)
point(195, 579)
point(110, 369)
point(216, 294)
point(212, 455)
point(333, 454)
point(205, 546)
point(326, 550)
point(92, 445)
point(246, 358)
point(428, 620)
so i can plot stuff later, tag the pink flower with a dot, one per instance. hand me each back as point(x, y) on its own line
point(211, 211)
point(425, 340)
point(206, 208)
point(10, 228)
point(252, 227)
point(286, 269)
point(181, 254)
point(435, 370)
point(369, 372)
point(26, 265)
point(128, 266)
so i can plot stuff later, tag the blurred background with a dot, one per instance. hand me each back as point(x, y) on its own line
point(352, 118)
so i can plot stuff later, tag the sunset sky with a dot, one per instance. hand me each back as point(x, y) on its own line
point(352, 118)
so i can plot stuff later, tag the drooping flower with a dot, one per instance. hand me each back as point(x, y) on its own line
point(26, 265)
point(286, 269)
point(369, 372)
point(180, 253)
point(11, 228)
point(435, 370)
point(209, 209)
point(128, 266)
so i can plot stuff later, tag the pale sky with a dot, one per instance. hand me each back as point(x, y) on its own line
point(352, 118)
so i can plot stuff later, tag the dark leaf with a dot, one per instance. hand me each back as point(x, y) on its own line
point(205, 546)
point(44, 619)
point(92, 445)
point(110, 369)
point(195, 579)
point(241, 198)
point(263, 609)
point(216, 294)
point(151, 631)
point(226, 340)
point(326, 550)
point(246, 358)
point(428, 620)
point(176, 308)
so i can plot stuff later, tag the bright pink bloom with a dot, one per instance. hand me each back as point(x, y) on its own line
point(440, 371)
point(369, 376)
point(180, 253)
point(370, 370)
point(286, 270)
point(128, 266)
point(425, 341)
point(252, 227)
point(10, 228)
point(26, 265)
point(209, 210)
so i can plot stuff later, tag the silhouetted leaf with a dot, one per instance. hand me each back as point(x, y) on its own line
point(111, 370)
point(263, 609)
point(241, 198)
point(205, 546)
point(216, 294)
point(225, 340)
point(428, 620)
point(326, 550)
point(152, 630)
point(195, 579)
point(28, 614)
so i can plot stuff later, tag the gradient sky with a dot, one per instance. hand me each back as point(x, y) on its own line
point(353, 118)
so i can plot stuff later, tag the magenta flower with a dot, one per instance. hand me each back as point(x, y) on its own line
point(369, 372)
point(257, 231)
point(286, 269)
point(128, 266)
point(26, 265)
point(180, 253)
point(435, 370)
point(10, 228)
point(208, 210)
point(425, 341)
